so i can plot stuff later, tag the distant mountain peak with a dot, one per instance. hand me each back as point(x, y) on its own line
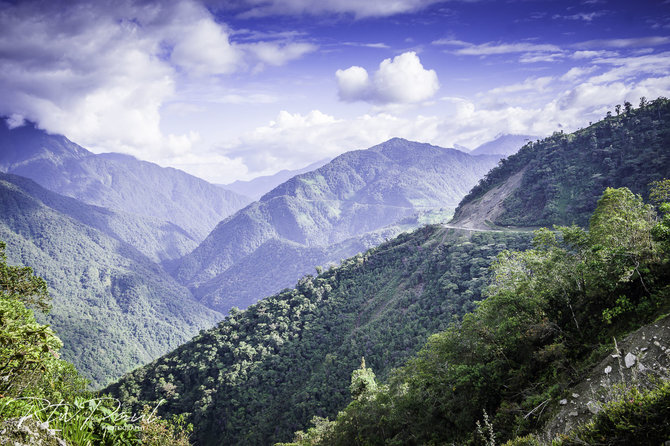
point(116, 181)
point(504, 144)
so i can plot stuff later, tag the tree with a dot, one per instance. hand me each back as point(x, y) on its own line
point(660, 192)
point(628, 106)
point(362, 382)
point(27, 348)
point(660, 195)
point(20, 284)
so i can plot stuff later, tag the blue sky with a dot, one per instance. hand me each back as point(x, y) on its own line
point(230, 90)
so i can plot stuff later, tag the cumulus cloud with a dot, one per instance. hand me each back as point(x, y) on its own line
point(100, 72)
point(402, 80)
point(293, 140)
point(204, 48)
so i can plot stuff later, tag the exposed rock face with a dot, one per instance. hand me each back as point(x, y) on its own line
point(27, 431)
point(636, 360)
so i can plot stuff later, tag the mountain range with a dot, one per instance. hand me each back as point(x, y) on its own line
point(106, 231)
point(320, 217)
point(174, 201)
point(113, 307)
point(259, 186)
point(263, 373)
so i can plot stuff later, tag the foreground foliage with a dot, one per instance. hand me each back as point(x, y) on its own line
point(546, 311)
point(35, 384)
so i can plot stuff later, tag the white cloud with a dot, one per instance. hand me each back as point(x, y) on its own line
point(590, 54)
point(634, 42)
point(575, 73)
point(353, 83)
point(529, 52)
point(100, 72)
point(360, 9)
point(585, 16)
point(626, 68)
point(292, 140)
point(535, 84)
point(493, 48)
point(402, 80)
point(276, 54)
point(204, 48)
point(13, 121)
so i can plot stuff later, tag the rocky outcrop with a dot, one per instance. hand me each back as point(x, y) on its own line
point(27, 431)
point(639, 360)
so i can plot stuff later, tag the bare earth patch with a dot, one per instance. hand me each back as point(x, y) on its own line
point(480, 213)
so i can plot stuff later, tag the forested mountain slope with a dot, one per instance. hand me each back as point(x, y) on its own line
point(310, 216)
point(549, 317)
point(157, 240)
point(115, 181)
point(113, 308)
point(262, 373)
point(563, 175)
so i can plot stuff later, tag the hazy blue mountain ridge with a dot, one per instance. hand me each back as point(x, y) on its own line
point(113, 307)
point(259, 186)
point(504, 145)
point(157, 240)
point(356, 193)
point(115, 181)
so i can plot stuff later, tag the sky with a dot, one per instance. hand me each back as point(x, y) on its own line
point(234, 89)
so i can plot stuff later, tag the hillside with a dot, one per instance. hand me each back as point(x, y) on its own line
point(262, 373)
point(155, 239)
point(311, 215)
point(118, 182)
point(507, 371)
point(113, 308)
point(270, 368)
point(562, 176)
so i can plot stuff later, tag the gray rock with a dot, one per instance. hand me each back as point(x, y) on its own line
point(563, 402)
point(629, 360)
point(593, 407)
point(608, 369)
